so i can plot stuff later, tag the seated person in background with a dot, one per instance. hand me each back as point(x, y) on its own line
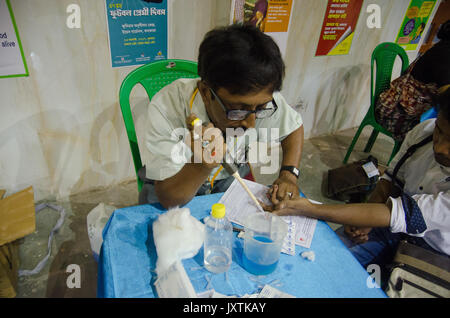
point(241, 72)
point(420, 212)
point(399, 108)
point(434, 65)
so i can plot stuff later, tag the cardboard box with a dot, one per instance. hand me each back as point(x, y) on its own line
point(9, 266)
point(17, 219)
point(17, 216)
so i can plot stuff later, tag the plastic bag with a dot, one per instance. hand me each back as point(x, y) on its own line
point(96, 221)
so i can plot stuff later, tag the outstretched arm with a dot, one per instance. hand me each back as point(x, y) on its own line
point(382, 192)
point(359, 214)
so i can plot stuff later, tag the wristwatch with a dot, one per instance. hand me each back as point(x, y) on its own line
point(291, 169)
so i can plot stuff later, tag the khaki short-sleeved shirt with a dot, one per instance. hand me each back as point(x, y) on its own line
point(164, 153)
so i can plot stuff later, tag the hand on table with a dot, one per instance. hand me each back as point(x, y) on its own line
point(294, 206)
point(286, 188)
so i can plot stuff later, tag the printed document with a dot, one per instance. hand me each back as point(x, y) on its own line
point(239, 205)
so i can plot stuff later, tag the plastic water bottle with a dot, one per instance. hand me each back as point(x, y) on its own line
point(218, 240)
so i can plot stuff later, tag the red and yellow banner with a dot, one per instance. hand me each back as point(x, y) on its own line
point(338, 27)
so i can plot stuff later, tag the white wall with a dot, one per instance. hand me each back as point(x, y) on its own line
point(61, 129)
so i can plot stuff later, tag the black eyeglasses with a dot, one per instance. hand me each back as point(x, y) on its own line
point(240, 114)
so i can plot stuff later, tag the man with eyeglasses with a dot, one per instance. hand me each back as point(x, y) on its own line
point(237, 96)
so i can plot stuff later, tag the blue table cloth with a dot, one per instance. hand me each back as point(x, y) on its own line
point(128, 259)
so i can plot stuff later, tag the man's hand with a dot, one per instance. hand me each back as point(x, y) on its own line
point(358, 235)
point(286, 187)
point(295, 206)
point(207, 144)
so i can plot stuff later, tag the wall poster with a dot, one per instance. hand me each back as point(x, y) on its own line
point(270, 16)
point(137, 31)
point(414, 23)
point(338, 27)
point(12, 59)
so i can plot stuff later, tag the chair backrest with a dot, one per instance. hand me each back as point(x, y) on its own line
point(384, 56)
point(152, 77)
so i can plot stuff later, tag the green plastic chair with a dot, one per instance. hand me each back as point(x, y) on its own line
point(384, 55)
point(152, 77)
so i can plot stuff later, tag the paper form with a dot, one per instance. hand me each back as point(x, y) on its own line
point(271, 292)
point(305, 228)
point(239, 205)
point(267, 292)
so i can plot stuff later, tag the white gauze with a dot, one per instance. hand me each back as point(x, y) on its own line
point(177, 235)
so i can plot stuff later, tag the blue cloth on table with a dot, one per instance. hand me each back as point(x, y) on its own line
point(128, 259)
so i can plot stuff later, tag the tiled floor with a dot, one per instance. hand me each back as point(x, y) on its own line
point(71, 243)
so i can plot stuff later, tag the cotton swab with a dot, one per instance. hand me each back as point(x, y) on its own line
point(233, 171)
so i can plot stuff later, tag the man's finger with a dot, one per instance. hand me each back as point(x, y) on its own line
point(361, 239)
point(273, 197)
point(266, 207)
point(364, 238)
point(350, 231)
point(269, 193)
point(281, 193)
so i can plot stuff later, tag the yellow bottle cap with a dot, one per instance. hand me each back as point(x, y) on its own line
point(218, 210)
point(196, 120)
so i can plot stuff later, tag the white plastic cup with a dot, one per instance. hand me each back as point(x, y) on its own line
point(263, 239)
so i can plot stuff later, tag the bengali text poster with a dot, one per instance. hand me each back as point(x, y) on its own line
point(137, 31)
point(338, 27)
